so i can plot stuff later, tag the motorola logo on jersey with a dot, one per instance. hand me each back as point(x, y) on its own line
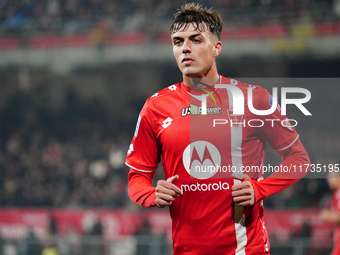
point(217, 186)
point(201, 155)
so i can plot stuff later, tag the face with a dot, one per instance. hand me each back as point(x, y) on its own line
point(195, 52)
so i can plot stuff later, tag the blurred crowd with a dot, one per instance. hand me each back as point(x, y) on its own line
point(72, 16)
point(71, 158)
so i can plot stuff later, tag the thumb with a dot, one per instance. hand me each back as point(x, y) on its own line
point(172, 179)
point(240, 176)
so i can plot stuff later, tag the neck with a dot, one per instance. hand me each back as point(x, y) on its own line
point(209, 78)
point(200, 82)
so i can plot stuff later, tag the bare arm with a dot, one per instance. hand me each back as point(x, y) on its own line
point(330, 216)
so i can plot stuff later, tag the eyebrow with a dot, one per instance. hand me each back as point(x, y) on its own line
point(181, 38)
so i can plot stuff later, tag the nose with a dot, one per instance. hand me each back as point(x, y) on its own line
point(186, 47)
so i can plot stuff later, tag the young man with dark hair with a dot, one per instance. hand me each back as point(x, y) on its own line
point(211, 212)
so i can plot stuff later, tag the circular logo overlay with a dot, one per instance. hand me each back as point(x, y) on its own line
point(201, 159)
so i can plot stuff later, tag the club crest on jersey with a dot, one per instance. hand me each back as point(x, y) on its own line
point(235, 119)
point(197, 110)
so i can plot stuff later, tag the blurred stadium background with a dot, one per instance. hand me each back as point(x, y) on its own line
point(74, 75)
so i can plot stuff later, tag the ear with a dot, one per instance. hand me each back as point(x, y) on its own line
point(217, 48)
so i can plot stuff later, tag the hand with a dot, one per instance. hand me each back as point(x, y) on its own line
point(327, 215)
point(243, 193)
point(167, 191)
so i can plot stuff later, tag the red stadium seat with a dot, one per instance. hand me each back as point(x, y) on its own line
point(9, 43)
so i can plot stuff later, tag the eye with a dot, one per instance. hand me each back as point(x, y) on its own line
point(177, 42)
point(196, 40)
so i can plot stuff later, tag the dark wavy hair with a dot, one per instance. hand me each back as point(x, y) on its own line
point(202, 18)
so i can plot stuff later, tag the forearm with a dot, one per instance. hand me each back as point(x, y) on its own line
point(141, 190)
point(334, 218)
point(330, 216)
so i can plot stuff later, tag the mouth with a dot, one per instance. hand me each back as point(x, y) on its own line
point(187, 61)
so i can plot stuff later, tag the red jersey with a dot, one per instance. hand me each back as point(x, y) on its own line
point(335, 207)
point(203, 147)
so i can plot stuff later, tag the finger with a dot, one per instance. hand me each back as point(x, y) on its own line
point(165, 197)
point(172, 179)
point(168, 188)
point(247, 203)
point(240, 193)
point(162, 203)
point(239, 186)
point(161, 190)
point(177, 190)
point(244, 201)
point(240, 199)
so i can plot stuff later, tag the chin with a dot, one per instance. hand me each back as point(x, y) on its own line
point(191, 74)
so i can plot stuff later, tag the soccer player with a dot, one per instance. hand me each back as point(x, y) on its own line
point(211, 212)
point(332, 214)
